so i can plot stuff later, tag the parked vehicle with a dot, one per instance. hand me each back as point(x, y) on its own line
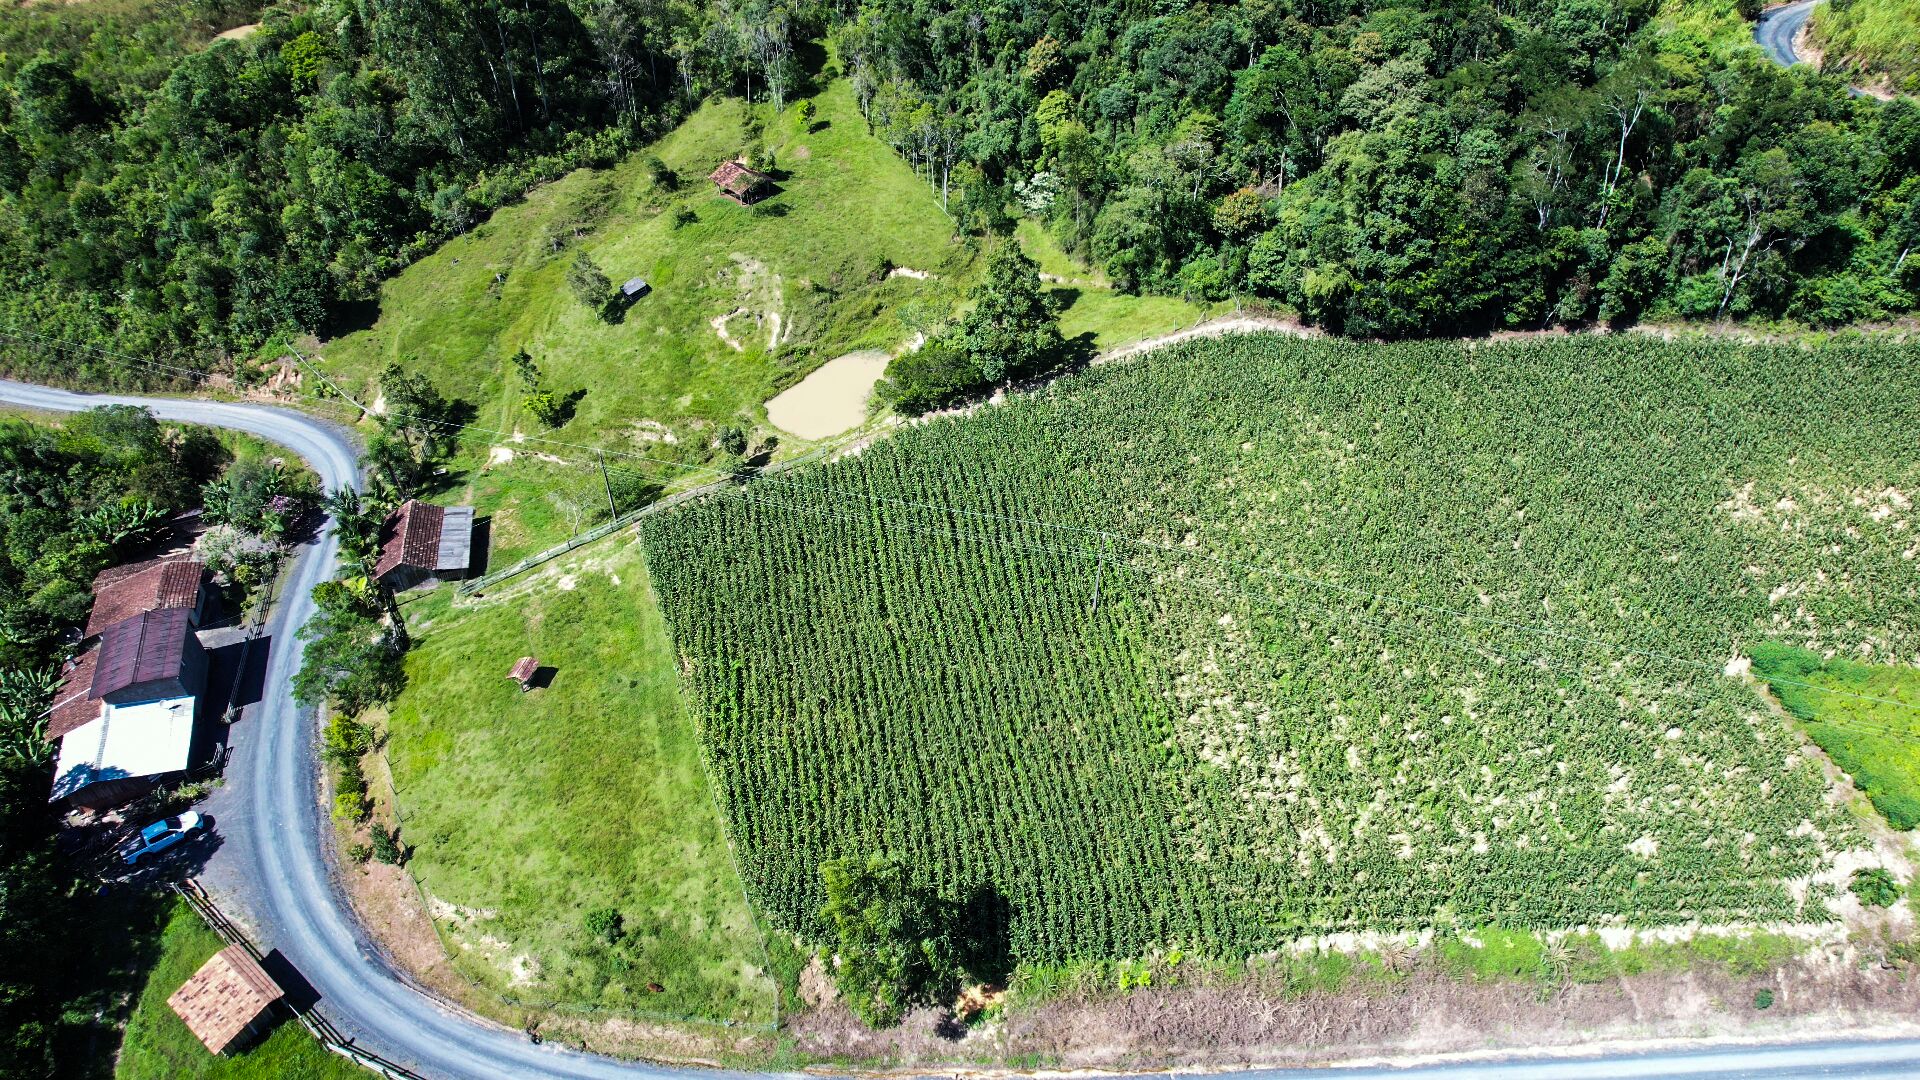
point(162, 835)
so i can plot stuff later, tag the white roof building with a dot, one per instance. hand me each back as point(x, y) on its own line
point(126, 742)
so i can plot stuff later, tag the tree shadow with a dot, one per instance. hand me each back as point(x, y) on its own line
point(818, 126)
point(347, 316)
point(985, 924)
point(811, 58)
point(1062, 297)
point(1077, 353)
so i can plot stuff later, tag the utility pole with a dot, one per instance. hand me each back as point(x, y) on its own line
point(611, 506)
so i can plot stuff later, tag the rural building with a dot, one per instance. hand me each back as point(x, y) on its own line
point(523, 672)
point(151, 655)
point(421, 544)
point(741, 184)
point(634, 289)
point(125, 709)
point(154, 585)
point(224, 1002)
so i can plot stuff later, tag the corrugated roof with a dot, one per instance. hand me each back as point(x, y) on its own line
point(410, 537)
point(150, 738)
point(74, 705)
point(120, 592)
point(229, 992)
point(145, 648)
point(523, 669)
point(456, 539)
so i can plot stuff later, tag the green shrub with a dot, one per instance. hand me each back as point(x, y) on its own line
point(1875, 887)
point(1763, 998)
point(606, 924)
point(387, 847)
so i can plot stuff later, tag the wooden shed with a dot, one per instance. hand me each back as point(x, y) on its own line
point(741, 184)
point(224, 1002)
point(523, 672)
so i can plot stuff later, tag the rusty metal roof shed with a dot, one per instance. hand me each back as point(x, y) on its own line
point(148, 647)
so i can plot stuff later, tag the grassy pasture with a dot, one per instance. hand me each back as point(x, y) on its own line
point(660, 380)
point(1878, 39)
point(1865, 716)
point(528, 811)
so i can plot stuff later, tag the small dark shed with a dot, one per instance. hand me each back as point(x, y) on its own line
point(635, 288)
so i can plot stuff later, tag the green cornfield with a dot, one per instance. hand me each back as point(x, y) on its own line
point(1261, 638)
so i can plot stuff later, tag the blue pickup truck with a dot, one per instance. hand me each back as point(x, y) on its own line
point(161, 835)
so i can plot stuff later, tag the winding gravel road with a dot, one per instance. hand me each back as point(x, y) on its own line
point(269, 864)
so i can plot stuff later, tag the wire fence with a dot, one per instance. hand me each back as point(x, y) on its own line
point(317, 1025)
point(607, 528)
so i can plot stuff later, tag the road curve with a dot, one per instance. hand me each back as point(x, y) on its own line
point(1777, 27)
point(270, 856)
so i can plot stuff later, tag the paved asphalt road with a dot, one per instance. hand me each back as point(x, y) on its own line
point(1776, 29)
point(269, 864)
point(1779, 26)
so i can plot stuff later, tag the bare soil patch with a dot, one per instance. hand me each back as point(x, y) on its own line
point(1426, 1014)
point(237, 32)
point(832, 400)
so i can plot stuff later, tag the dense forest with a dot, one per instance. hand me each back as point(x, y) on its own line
point(1399, 168)
point(1384, 167)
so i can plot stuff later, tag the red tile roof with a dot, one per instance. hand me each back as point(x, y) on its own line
point(410, 537)
point(149, 647)
point(224, 997)
point(737, 180)
point(120, 592)
point(74, 705)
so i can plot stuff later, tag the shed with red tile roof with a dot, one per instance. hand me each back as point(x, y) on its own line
point(121, 592)
point(422, 543)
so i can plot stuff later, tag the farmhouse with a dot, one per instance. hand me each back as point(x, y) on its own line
point(224, 1002)
point(125, 709)
point(422, 544)
point(122, 591)
point(741, 184)
point(135, 726)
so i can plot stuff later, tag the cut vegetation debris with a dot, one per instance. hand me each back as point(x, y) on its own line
point(1291, 691)
point(529, 812)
